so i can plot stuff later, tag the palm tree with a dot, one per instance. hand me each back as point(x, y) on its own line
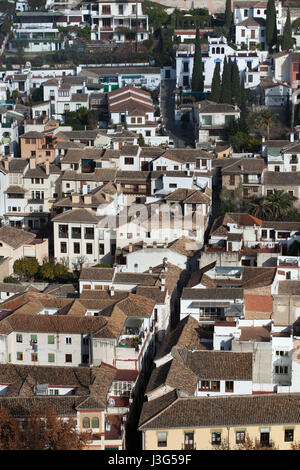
point(265, 119)
point(281, 203)
point(261, 208)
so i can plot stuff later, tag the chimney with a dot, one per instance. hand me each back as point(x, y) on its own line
point(163, 284)
point(130, 247)
point(144, 244)
point(75, 198)
point(47, 167)
point(87, 199)
point(32, 163)
point(112, 291)
point(154, 244)
point(292, 137)
point(166, 243)
point(150, 269)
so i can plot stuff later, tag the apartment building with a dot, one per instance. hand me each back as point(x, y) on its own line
point(204, 425)
point(116, 21)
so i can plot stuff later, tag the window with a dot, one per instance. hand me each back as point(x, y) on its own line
point(288, 434)
point(19, 338)
point(33, 338)
point(106, 10)
point(209, 385)
point(101, 248)
point(89, 249)
point(232, 180)
point(19, 356)
point(76, 248)
point(229, 386)
point(281, 370)
point(277, 168)
point(216, 438)
point(51, 339)
point(68, 340)
point(265, 437)
point(240, 436)
point(63, 247)
point(282, 353)
point(86, 422)
point(34, 357)
point(162, 439)
point(68, 358)
point(51, 357)
point(95, 422)
point(188, 440)
point(129, 161)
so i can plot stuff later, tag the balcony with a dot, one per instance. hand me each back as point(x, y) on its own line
point(76, 235)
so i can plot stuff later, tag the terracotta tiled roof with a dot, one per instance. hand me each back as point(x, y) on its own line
point(221, 411)
point(15, 237)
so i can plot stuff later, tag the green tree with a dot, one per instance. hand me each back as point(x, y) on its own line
point(226, 83)
point(271, 24)
point(216, 84)
point(261, 208)
point(46, 271)
point(287, 39)
point(243, 107)
point(265, 119)
point(26, 268)
point(235, 84)
point(228, 17)
point(281, 203)
point(61, 273)
point(197, 75)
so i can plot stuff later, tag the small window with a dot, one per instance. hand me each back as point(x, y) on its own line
point(95, 422)
point(86, 422)
point(19, 338)
point(240, 436)
point(33, 338)
point(68, 357)
point(288, 434)
point(216, 438)
point(162, 439)
point(51, 339)
point(68, 340)
point(34, 357)
point(229, 386)
point(51, 357)
point(19, 356)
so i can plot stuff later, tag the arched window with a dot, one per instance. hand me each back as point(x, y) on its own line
point(218, 50)
point(86, 422)
point(95, 422)
point(213, 50)
point(222, 50)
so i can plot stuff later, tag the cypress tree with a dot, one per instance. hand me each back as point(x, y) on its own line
point(243, 107)
point(197, 75)
point(287, 40)
point(216, 84)
point(226, 83)
point(228, 17)
point(271, 24)
point(235, 84)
